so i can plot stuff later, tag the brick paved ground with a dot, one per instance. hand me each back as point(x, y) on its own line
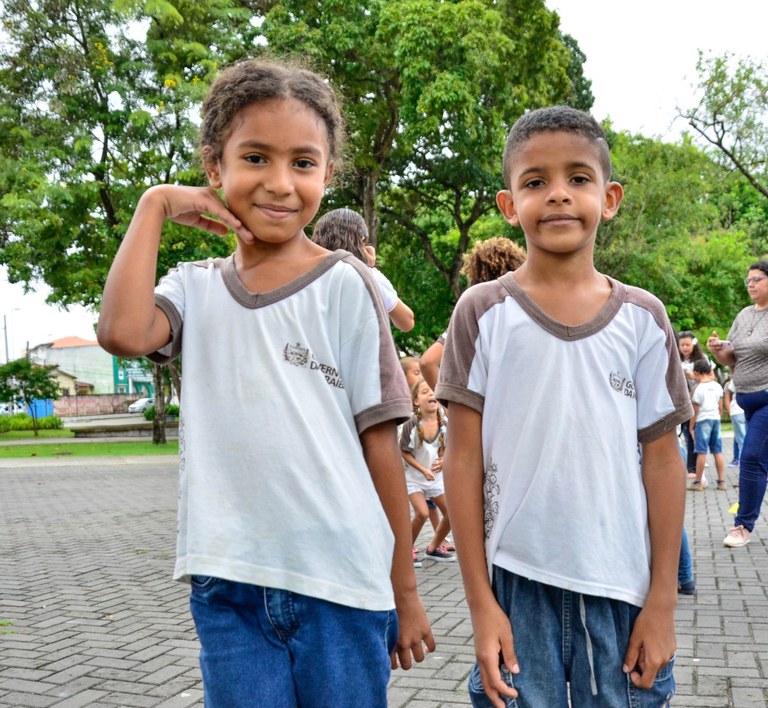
point(90, 617)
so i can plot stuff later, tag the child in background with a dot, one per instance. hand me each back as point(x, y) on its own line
point(265, 518)
point(707, 402)
point(738, 419)
point(570, 578)
point(411, 370)
point(690, 352)
point(422, 443)
point(486, 261)
point(344, 228)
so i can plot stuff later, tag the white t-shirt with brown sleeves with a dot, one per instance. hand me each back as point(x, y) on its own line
point(277, 388)
point(563, 411)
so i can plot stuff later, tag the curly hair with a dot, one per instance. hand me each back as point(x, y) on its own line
point(256, 80)
point(492, 258)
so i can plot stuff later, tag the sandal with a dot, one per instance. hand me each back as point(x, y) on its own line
point(721, 485)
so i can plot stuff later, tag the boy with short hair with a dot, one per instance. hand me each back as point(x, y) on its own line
point(573, 572)
point(707, 400)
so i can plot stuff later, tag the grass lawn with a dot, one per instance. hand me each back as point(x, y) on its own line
point(30, 435)
point(65, 448)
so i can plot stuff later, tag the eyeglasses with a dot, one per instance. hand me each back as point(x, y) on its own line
point(754, 279)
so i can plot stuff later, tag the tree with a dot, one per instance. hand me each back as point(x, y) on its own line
point(732, 114)
point(90, 116)
point(21, 379)
point(92, 113)
point(667, 237)
point(430, 90)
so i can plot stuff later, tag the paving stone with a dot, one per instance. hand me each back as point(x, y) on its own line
point(104, 625)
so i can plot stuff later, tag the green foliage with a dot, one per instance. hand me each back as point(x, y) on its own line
point(171, 410)
point(90, 116)
point(25, 381)
point(732, 114)
point(22, 421)
point(431, 89)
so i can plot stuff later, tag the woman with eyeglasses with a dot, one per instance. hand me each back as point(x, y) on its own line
point(746, 352)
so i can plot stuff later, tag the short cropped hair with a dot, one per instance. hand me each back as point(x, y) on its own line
point(556, 119)
point(760, 265)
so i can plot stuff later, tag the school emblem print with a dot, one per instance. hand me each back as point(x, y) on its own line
point(298, 355)
point(491, 491)
point(622, 384)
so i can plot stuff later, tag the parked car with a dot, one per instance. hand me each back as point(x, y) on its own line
point(11, 408)
point(141, 405)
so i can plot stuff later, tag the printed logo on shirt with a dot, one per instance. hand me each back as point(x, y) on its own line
point(300, 356)
point(621, 384)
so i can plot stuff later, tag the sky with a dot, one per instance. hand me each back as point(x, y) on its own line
point(641, 59)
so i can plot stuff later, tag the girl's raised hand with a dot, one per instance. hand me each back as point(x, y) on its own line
point(190, 206)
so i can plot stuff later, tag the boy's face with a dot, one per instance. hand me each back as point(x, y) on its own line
point(274, 168)
point(558, 193)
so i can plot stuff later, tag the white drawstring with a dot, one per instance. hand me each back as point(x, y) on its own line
point(590, 656)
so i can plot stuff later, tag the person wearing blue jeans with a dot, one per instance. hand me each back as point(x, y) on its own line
point(738, 420)
point(570, 580)
point(746, 352)
point(753, 469)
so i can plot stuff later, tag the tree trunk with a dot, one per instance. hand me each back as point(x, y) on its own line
point(173, 370)
point(370, 214)
point(158, 422)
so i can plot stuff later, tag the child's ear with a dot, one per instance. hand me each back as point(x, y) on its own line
point(614, 193)
point(329, 172)
point(507, 207)
point(212, 166)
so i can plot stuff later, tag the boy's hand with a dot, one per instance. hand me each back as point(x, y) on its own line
point(494, 645)
point(370, 254)
point(188, 206)
point(651, 645)
point(414, 629)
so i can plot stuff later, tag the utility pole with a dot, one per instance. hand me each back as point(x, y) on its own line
point(5, 333)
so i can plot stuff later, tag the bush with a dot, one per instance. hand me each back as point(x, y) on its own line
point(170, 410)
point(23, 421)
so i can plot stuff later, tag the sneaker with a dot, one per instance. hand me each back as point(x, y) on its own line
point(416, 559)
point(721, 485)
point(696, 486)
point(687, 588)
point(733, 463)
point(738, 536)
point(439, 554)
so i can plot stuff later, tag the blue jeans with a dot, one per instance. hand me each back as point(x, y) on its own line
point(690, 455)
point(267, 647)
point(685, 565)
point(753, 470)
point(739, 421)
point(708, 437)
point(561, 638)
